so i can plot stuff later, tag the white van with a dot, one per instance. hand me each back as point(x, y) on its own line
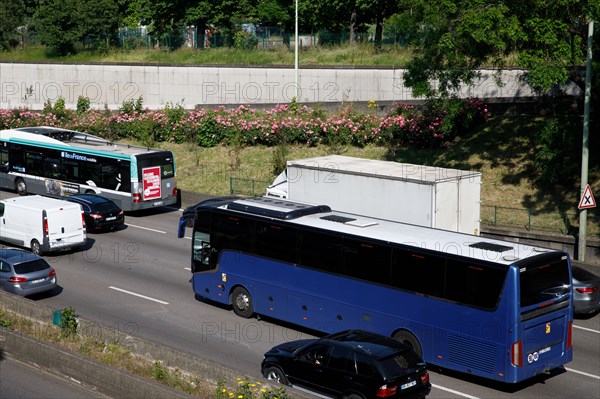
point(42, 224)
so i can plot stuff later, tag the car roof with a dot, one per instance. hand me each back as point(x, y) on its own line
point(87, 199)
point(14, 255)
point(372, 344)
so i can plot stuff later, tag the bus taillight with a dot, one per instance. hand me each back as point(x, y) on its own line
point(137, 197)
point(570, 335)
point(517, 354)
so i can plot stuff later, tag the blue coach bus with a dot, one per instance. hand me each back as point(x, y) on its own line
point(490, 308)
point(57, 162)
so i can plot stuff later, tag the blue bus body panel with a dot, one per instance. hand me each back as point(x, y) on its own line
point(460, 337)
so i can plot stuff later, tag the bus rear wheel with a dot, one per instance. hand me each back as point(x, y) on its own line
point(20, 186)
point(409, 339)
point(242, 302)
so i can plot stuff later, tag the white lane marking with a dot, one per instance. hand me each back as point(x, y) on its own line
point(147, 228)
point(454, 392)
point(586, 329)
point(583, 373)
point(187, 268)
point(138, 295)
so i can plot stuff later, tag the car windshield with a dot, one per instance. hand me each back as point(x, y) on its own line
point(399, 363)
point(32, 266)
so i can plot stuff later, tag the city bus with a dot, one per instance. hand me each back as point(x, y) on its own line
point(58, 162)
point(485, 307)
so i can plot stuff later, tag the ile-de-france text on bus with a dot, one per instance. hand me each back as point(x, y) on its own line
point(56, 162)
point(490, 308)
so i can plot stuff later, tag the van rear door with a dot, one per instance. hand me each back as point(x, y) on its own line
point(65, 226)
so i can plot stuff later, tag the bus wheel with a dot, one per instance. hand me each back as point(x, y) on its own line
point(242, 302)
point(20, 186)
point(409, 339)
point(36, 248)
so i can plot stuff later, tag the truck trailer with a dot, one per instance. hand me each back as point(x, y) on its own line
point(441, 198)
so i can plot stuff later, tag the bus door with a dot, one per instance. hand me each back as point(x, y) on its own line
point(204, 255)
point(4, 181)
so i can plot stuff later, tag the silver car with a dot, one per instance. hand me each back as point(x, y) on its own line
point(24, 273)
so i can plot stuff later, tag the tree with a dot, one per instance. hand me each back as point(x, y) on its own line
point(59, 24)
point(11, 17)
point(102, 19)
point(460, 36)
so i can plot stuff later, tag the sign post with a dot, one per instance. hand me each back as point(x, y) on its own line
point(582, 245)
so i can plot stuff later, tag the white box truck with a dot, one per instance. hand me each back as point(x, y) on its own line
point(429, 196)
point(42, 224)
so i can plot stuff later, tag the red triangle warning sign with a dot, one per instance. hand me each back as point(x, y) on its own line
point(587, 199)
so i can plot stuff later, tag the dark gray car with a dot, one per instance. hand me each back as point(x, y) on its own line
point(24, 273)
point(586, 291)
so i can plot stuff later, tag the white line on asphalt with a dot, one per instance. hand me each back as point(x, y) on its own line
point(146, 228)
point(586, 329)
point(454, 392)
point(138, 295)
point(187, 268)
point(583, 373)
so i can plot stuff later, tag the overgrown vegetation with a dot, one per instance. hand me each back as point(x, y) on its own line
point(65, 336)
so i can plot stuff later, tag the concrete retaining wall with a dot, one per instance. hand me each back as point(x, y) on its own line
point(32, 84)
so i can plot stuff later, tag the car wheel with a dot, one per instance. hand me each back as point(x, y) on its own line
point(21, 186)
point(36, 248)
point(242, 302)
point(274, 373)
point(409, 339)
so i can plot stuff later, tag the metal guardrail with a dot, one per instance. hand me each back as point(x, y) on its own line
point(566, 223)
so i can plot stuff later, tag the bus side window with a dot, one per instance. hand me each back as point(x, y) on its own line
point(417, 272)
point(4, 159)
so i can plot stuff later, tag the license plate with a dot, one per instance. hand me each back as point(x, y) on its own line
point(408, 385)
point(108, 219)
point(158, 203)
point(37, 281)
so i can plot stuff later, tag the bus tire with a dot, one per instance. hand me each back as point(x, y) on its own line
point(36, 248)
point(409, 339)
point(20, 186)
point(274, 373)
point(242, 302)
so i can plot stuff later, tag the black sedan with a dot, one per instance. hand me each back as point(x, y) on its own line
point(351, 364)
point(586, 291)
point(100, 213)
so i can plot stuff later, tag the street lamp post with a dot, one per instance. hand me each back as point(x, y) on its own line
point(296, 56)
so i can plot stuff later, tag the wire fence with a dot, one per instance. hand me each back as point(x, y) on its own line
point(565, 223)
point(252, 187)
point(247, 37)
